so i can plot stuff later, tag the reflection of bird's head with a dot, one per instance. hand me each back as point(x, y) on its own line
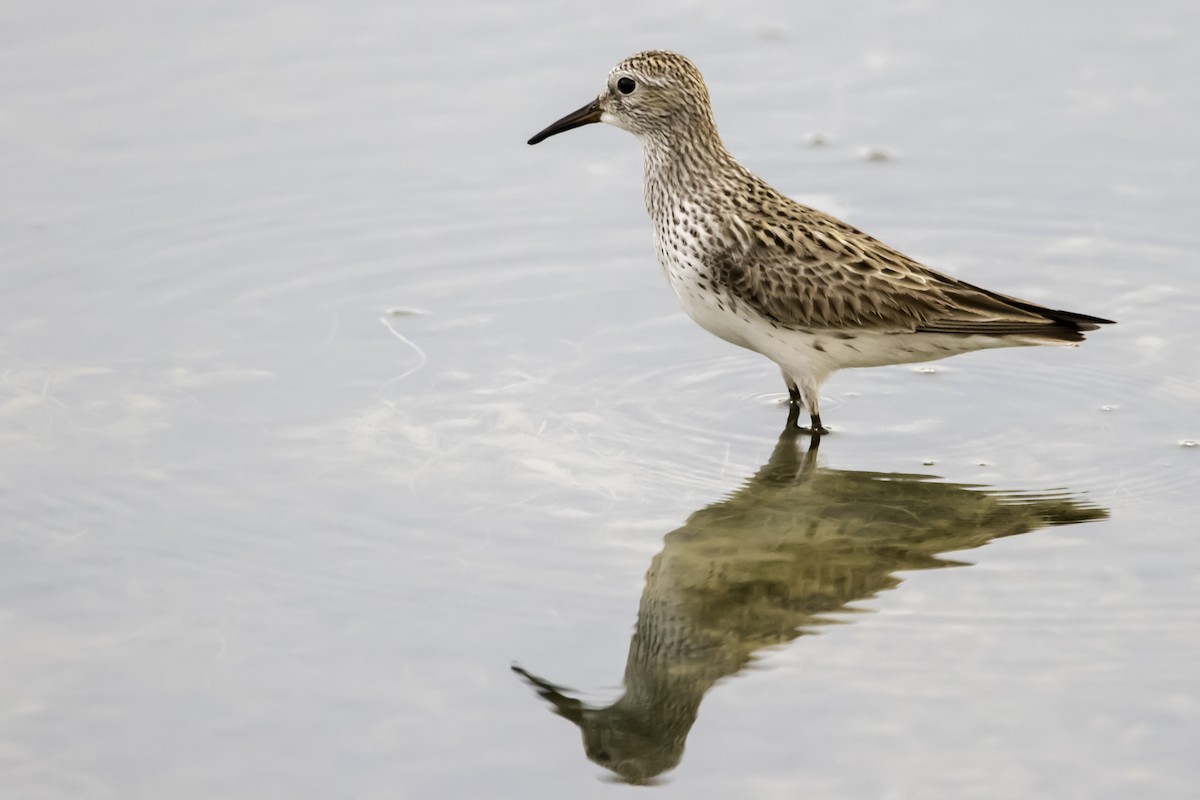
point(619, 737)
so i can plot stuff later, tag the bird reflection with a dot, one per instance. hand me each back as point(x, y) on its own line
point(767, 565)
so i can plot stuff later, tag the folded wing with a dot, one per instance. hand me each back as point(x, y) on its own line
point(807, 270)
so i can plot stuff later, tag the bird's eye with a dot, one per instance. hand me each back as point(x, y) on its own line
point(626, 85)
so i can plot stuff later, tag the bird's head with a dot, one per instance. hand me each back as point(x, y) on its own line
point(655, 94)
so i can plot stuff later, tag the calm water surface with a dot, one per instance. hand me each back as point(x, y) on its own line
point(351, 448)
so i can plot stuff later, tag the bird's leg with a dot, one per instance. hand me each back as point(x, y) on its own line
point(813, 401)
point(793, 420)
point(793, 424)
point(795, 404)
point(799, 398)
point(793, 390)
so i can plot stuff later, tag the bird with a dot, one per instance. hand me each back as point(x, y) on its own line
point(762, 271)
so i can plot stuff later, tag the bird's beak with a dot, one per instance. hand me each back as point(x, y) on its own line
point(584, 116)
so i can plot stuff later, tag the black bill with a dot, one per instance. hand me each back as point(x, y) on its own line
point(584, 116)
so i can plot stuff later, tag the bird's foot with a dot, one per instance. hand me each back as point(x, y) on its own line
point(817, 428)
point(793, 422)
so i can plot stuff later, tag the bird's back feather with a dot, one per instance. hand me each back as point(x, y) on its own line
point(801, 268)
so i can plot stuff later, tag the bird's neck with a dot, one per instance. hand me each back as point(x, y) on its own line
point(682, 167)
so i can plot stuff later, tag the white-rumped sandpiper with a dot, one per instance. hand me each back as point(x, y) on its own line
point(762, 271)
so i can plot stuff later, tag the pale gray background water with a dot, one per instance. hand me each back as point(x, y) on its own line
point(260, 539)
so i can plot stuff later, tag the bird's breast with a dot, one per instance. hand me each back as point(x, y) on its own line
point(685, 248)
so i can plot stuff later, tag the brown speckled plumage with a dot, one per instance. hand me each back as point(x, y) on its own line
point(765, 272)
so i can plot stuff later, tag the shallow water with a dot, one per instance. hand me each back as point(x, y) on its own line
point(325, 402)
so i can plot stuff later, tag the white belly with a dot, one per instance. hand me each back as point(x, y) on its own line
point(809, 353)
point(708, 308)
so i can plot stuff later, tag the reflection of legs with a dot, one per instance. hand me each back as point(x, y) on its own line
point(785, 450)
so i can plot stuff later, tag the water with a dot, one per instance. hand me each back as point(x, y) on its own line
point(270, 532)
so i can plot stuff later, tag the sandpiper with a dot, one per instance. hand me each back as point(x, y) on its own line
point(762, 271)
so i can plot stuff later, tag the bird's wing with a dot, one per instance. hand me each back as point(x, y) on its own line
point(801, 268)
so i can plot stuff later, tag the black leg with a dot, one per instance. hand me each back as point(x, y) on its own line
point(797, 402)
point(817, 428)
point(793, 420)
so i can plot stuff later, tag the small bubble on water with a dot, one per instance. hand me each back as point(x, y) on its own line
point(875, 153)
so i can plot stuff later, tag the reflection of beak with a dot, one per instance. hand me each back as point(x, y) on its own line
point(565, 706)
point(584, 116)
